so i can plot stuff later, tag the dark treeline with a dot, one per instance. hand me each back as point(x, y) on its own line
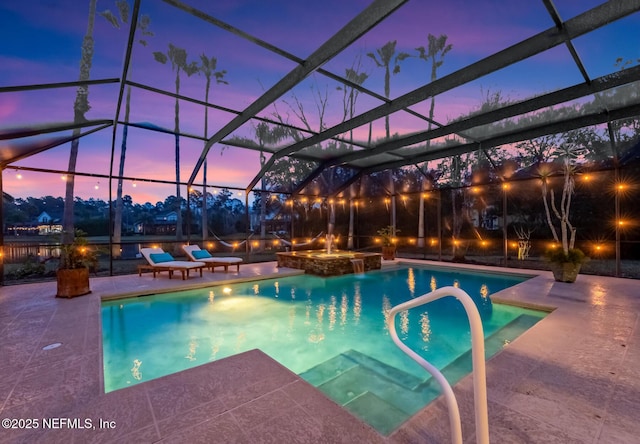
point(226, 214)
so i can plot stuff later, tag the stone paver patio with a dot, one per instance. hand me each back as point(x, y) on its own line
point(573, 377)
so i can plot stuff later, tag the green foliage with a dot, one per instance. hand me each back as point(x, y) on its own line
point(30, 267)
point(94, 227)
point(78, 254)
point(574, 256)
point(387, 235)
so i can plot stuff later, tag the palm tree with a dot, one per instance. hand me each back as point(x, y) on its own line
point(143, 27)
point(386, 55)
point(208, 68)
point(80, 107)
point(178, 58)
point(349, 99)
point(266, 134)
point(438, 48)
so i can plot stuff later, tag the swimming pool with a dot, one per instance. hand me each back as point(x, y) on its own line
point(330, 331)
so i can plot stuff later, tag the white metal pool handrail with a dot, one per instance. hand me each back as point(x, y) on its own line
point(477, 353)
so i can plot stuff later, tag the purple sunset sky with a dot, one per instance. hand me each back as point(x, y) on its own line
point(43, 40)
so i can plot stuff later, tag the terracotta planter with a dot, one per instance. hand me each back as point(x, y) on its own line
point(565, 271)
point(73, 282)
point(388, 252)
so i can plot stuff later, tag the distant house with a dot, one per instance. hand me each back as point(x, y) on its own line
point(486, 218)
point(164, 223)
point(44, 218)
point(47, 224)
point(43, 224)
point(276, 220)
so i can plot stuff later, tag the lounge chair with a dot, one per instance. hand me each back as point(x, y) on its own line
point(159, 261)
point(196, 254)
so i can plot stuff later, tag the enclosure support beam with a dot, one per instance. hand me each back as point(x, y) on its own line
point(582, 24)
point(505, 246)
point(357, 27)
point(616, 181)
point(439, 224)
point(2, 256)
point(125, 73)
point(617, 216)
point(514, 136)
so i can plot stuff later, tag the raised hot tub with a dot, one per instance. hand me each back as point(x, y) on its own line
point(321, 263)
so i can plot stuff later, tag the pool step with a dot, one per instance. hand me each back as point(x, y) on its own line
point(463, 364)
point(380, 414)
point(349, 359)
point(386, 396)
point(328, 369)
point(396, 375)
point(368, 388)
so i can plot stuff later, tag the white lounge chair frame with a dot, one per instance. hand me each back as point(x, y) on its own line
point(182, 266)
point(212, 262)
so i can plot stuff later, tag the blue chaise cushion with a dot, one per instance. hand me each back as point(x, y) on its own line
point(158, 258)
point(201, 254)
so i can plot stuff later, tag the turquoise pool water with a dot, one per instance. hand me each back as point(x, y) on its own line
point(331, 331)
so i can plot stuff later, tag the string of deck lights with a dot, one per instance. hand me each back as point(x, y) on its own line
point(599, 247)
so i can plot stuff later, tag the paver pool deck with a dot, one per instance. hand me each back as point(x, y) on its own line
point(572, 378)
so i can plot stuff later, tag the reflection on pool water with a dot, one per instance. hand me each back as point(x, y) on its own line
point(331, 331)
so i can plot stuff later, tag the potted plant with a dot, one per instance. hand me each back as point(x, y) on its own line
point(387, 236)
point(566, 266)
point(76, 259)
point(566, 261)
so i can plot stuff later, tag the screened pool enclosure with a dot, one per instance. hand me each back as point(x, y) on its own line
point(483, 132)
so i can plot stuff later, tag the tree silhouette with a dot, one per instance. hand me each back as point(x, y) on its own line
point(143, 28)
point(208, 67)
point(349, 99)
point(437, 49)
point(80, 108)
point(266, 134)
point(386, 56)
point(178, 58)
